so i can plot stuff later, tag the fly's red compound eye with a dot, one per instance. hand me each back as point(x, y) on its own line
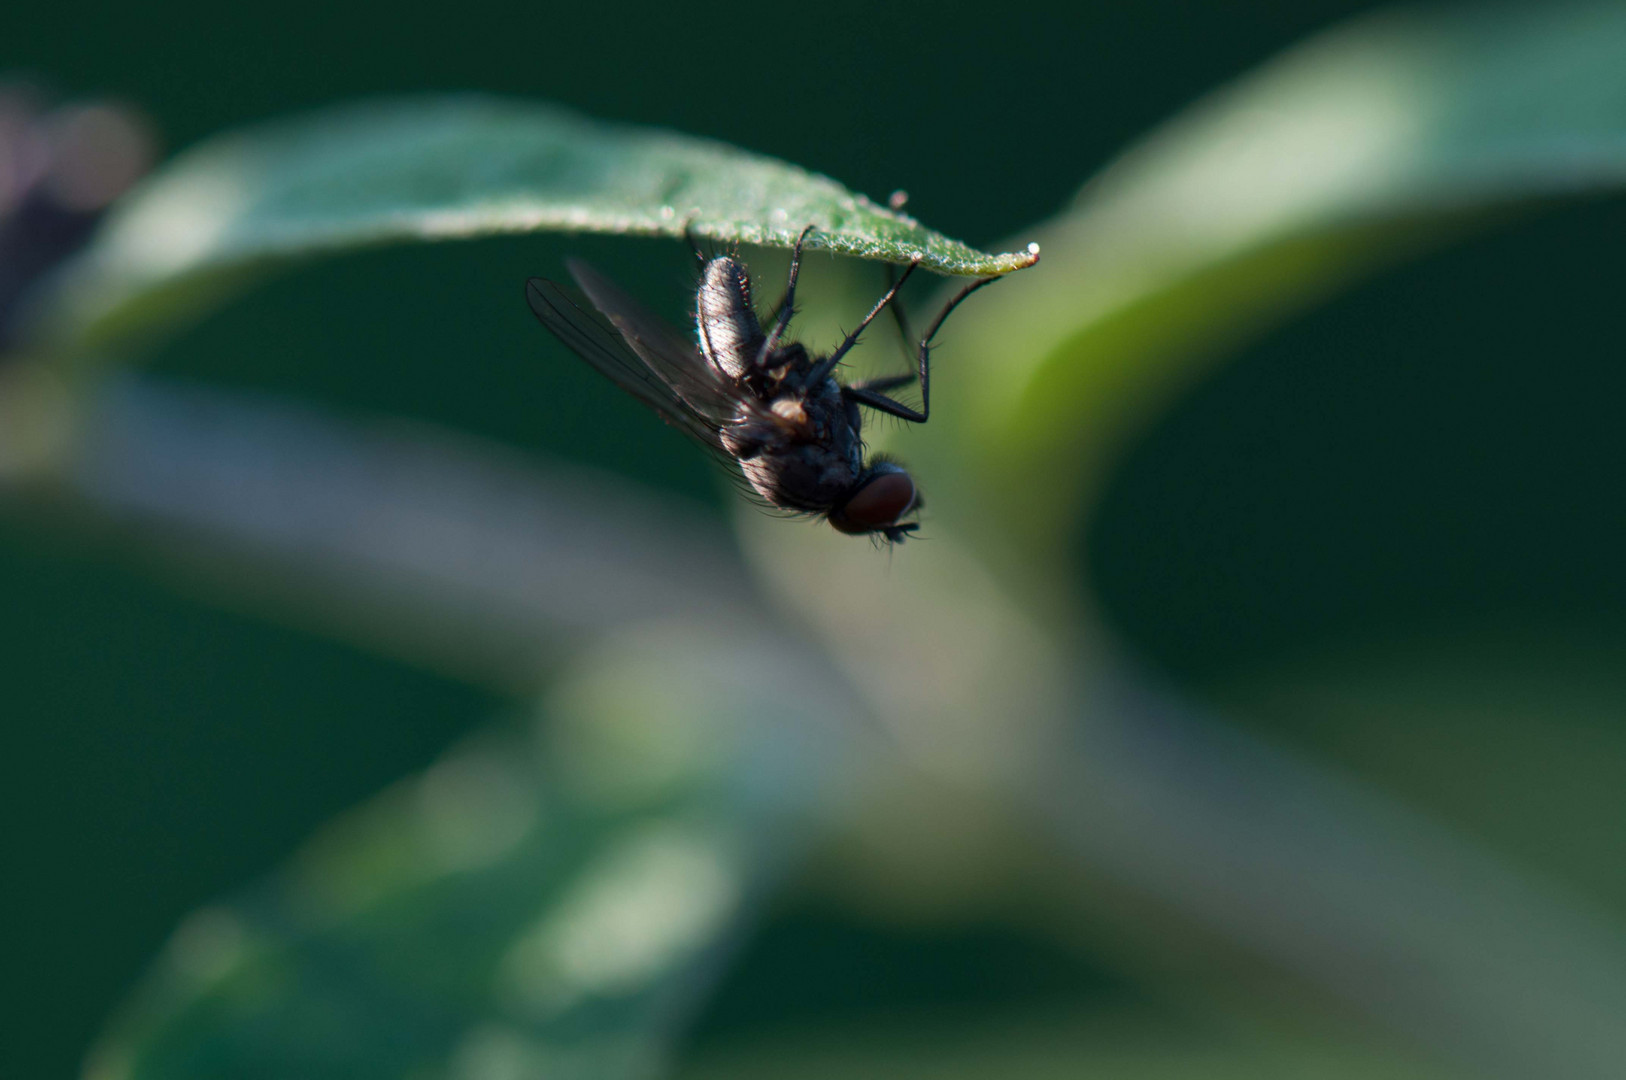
point(878, 504)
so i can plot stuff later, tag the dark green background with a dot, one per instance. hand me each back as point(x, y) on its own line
point(1438, 447)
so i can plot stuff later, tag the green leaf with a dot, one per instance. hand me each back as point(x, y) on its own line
point(1355, 149)
point(553, 899)
point(452, 168)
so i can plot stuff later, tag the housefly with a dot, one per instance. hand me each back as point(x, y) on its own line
point(761, 402)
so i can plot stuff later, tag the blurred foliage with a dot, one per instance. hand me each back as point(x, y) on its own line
point(1362, 146)
point(451, 168)
point(769, 801)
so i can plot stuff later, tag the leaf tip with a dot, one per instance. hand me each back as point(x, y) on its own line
point(1017, 260)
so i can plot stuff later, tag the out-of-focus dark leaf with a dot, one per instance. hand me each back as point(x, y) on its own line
point(1352, 150)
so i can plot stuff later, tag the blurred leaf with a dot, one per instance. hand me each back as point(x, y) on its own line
point(550, 900)
point(1518, 732)
point(1357, 148)
point(451, 168)
point(1274, 856)
point(1053, 1044)
point(1282, 187)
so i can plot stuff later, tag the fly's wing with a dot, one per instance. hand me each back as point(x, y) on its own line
point(601, 345)
point(670, 355)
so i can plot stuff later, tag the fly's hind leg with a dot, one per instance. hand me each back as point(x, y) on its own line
point(787, 306)
point(693, 242)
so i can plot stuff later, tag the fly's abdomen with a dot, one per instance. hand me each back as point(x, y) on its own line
point(795, 471)
point(729, 331)
point(806, 477)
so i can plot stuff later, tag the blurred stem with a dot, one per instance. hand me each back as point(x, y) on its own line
point(451, 553)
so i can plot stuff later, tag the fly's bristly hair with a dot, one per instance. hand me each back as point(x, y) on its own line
point(760, 401)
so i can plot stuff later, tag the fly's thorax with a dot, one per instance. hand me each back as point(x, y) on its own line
point(818, 414)
point(835, 413)
point(793, 411)
point(787, 364)
point(729, 332)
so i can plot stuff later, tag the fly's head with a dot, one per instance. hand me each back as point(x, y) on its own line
point(877, 504)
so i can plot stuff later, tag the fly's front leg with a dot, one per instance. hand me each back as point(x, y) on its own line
point(828, 364)
point(882, 403)
point(884, 382)
point(906, 339)
point(866, 393)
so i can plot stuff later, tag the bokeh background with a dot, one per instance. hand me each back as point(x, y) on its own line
point(1385, 536)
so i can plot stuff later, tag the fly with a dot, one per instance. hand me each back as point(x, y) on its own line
point(758, 400)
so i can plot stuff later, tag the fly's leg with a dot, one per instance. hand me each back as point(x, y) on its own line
point(787, 306)
point(828, 364)
point(885, 382)
point(867, 393)
point(693, 242)
point(881, 403)
point(905, 339)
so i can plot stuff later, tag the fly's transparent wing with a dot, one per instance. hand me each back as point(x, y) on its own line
point(603, 346)
point(672, 356)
